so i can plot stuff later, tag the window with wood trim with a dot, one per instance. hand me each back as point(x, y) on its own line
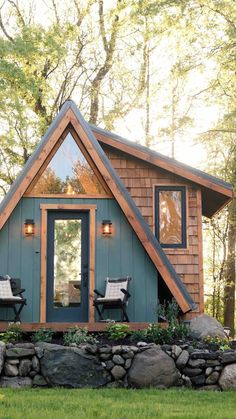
point(170, 216)
point(68, 173)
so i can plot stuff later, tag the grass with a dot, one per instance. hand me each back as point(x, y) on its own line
point(62, 403)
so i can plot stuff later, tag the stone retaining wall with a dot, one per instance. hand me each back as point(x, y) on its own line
point(136, 366)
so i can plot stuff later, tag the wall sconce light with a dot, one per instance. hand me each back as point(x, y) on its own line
point(29, 227)
point(106, 227)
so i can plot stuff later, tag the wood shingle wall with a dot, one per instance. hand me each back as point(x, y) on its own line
point(140, 179)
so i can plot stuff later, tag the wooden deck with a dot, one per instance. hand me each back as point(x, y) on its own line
point(62, 327)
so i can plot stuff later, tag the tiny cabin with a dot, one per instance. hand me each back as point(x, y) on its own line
point(90, 205)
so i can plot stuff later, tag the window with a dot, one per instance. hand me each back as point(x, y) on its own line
point(68, 173)
point(170, 216)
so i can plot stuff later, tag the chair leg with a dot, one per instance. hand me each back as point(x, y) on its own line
point(17, 312)
point(124, 314)
point(99, 311)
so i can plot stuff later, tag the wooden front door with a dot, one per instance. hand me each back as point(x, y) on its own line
point(67, 266)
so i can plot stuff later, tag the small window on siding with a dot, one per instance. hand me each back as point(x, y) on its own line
point(170, 216)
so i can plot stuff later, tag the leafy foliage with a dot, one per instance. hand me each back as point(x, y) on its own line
point(12, 335)
point(218, 342)
point(77, 335)
point(43, 335)
point(116, 331)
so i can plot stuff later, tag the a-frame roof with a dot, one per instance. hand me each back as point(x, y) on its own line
point(216, 193)
point(69, 116)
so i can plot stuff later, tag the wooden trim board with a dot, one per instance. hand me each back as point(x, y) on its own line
point(200, 252)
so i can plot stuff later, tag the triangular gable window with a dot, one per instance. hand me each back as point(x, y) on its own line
point(68, 173)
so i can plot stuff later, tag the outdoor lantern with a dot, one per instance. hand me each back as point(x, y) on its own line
point(29, 227)
point(106, 227)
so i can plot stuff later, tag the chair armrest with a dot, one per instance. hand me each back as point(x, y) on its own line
point(18, 292)
point(98, 293)
point(127, 294)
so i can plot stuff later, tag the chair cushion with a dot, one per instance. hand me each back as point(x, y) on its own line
point(113, 290)
point(108, 300)
point(5, 289)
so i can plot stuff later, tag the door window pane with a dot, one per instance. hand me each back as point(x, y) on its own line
point(67, 263)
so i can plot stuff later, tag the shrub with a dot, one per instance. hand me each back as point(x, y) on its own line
point(12, 335)
point(218, 342)
point(169, 311)
point(77, 335)
point(43, 335)
point(175, 329)
point(139, 335)
point(158, 335)
point(116, 331)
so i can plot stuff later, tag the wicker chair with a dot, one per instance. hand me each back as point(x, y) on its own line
point(11, 295)
point(116, 297)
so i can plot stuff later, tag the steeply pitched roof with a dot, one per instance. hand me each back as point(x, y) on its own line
point(216, 193)
point(69, 115)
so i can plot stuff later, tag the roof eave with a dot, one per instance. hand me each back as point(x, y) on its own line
point(196, 176)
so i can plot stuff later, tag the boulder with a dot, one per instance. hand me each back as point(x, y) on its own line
point(152, 368)
point(39, 381)
point(128, 355)
point(109, 365)
point(15, 382)
point(176, 351)
point(19, 352)
point(117, 359)
point(228, 357)
point(128, 363)
point(182, 359)
point(212, 378)
point(227, 379)
point(192, 372)
point(72, 367)
point(204, 355)
point(199, 380)
point(25, 367)
point(204, 325)
point(197, 363)
point(118, 372)
point(10, 370)
point(2, 354)
point(35, 364)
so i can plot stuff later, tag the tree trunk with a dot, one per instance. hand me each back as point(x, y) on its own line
point(229, 289)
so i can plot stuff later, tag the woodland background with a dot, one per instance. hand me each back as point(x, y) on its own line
point(160, 72)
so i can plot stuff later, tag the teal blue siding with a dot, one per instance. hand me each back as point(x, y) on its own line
point(118, 255)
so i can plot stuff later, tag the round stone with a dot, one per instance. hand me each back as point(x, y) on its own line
point(118, 372)
point(117, 359)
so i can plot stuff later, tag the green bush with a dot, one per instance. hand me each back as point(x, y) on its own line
point(78, 335)
point(116, 331)
point(43, 335)
point(12, 335)
point(176, 329)
point(139, 335)
point(158, 335)
point(220, 343)
point(169, 311)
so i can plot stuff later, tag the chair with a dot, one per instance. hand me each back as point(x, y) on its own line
point(116, 297)
point(11, 295)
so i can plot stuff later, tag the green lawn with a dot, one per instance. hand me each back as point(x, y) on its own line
point(115, 403)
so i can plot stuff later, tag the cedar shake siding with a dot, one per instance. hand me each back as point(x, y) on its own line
point(140, 179)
